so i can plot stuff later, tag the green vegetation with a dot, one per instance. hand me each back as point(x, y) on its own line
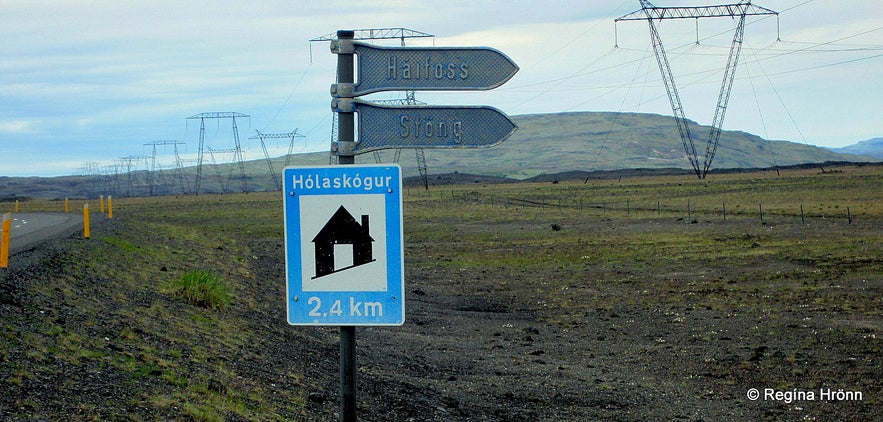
point(623, 241)
point(659, 245)
point(202, 288)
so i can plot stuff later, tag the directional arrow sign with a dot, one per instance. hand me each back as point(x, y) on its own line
point(430, 68)
point(430, 127)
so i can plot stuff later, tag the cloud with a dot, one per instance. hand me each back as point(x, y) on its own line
point(17, 126)
point(98, 79)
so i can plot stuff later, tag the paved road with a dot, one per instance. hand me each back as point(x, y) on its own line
point(29, 229)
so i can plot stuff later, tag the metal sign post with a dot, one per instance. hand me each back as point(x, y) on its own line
point(346, 139)
point(314, 291)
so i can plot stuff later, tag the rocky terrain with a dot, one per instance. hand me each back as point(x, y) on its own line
point(607, 318)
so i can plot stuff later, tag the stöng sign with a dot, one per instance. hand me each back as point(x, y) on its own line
point(428, 126)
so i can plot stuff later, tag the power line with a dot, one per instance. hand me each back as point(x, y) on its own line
point(290, 94)
point(766, 134)
point(812, 48)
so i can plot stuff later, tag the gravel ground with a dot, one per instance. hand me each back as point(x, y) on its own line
point(479, 344)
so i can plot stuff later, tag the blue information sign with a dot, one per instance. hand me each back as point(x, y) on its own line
point(344, 256)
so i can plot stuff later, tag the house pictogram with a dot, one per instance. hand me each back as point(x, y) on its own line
point(342, 229)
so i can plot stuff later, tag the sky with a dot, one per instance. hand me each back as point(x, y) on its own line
point(85, 84)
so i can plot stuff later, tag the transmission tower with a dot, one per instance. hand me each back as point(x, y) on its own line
point(237, 149)
point(386, 34)
point(289, 135)
point(156, 169)
point(110, 176)
point(224, 181)
point(651, 13)
point(421, 156)
point(130, 164)
point(91, 172)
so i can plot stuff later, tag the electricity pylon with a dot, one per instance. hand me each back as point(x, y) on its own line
point(649, 13)
point(289, 135)
point(130, 164)
point(237, 149)
point(156, 169)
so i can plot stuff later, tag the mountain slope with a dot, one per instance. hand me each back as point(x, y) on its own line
point(551, 143)
point(871, 148)
point(543, 144)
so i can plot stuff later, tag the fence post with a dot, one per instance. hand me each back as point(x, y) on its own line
point(689, 212)
point(725, 211)
point(848, 216)
point(5, 229)
point(760, 206)
point(86, 232)
point(802, 218)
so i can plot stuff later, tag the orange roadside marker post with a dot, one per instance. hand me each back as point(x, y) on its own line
point(86, 221)
point(67, 207)
point(5, 228)
point(109, 206)
point(101, 204)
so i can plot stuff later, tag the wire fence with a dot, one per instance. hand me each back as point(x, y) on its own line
point(682, 209)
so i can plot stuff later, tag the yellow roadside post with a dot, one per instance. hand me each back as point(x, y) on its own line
point(101, 204)
point(109, 206)
point(16, 205)
point(67, 207)
point(86, 221)
point(5, 229)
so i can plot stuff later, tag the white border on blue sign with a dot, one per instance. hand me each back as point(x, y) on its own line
point(365, 303)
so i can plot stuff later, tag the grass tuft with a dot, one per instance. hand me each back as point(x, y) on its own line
point(202, 288)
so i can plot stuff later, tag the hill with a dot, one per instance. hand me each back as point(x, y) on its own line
point(870, 148)
point(544, 144)
point(600, 141)
point(591, 141)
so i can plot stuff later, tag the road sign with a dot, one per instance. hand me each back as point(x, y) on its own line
point(430, 126)
point(344, 256)
point(430, 68)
